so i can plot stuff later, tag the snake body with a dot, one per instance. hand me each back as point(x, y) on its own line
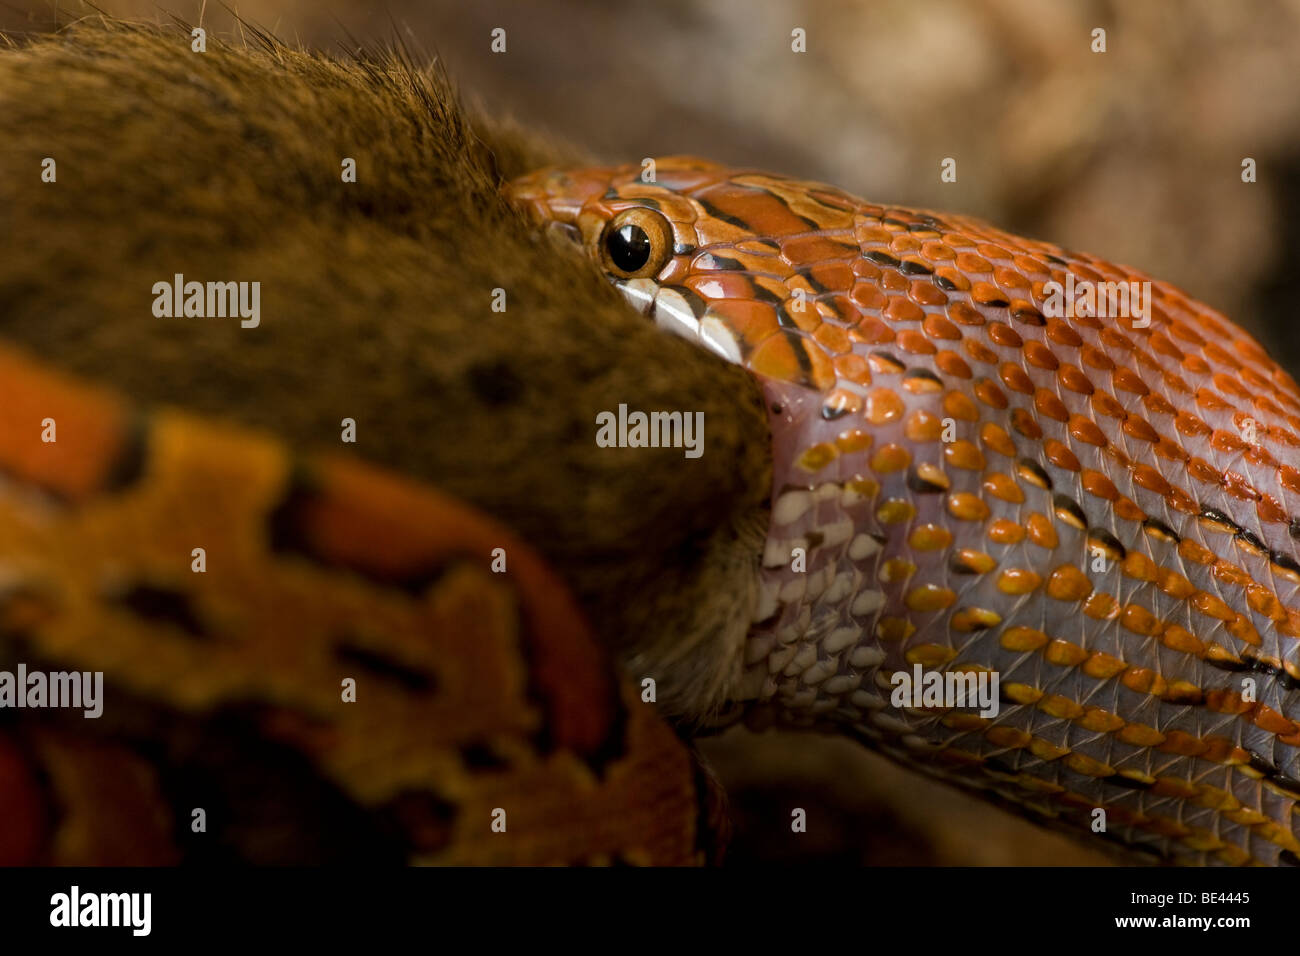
point(1100, 510)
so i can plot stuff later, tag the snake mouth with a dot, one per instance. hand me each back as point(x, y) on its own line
point(682, 313)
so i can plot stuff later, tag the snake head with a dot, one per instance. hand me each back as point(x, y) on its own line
point(696, 246)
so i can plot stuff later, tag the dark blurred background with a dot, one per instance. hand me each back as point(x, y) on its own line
point(1133, 154)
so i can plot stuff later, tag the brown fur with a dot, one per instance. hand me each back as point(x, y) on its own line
point(376, 306)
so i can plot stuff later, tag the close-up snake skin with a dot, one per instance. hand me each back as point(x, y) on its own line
point(1103, 511)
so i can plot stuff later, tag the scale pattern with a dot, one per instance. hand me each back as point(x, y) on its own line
point(1103, 514)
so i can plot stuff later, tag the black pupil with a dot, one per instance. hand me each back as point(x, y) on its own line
point(629, 247)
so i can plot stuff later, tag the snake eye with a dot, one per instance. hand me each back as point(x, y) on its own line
point(636, 243)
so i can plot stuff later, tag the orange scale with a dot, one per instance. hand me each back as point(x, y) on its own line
point(871, 234)
point(883, 406)
point(1126, 380)
point(963, 314)
point(833, 338)
point(865, 269)
point(812, 250)
point(991, 251)
point(921, 426)
point(752, 322)
point(1203, 471)
point(867, 295)
point(1030, 265)
point(1208, 400)
point(839, 402)
point(1082, 271)
point(777, 358)
point(1062, 334)
point(1270, 509)
point(1009, 279)
point(1101, 607)
point(1041, 530)
point(1161, 345)
point(919, 385)
point(996, 439)
point(1158, 405)
point(1184, 333)
point(903, 245)
point(853, 368)
point(720, 285)
point(1094, 357)
point(1144, 476)
point(1040, 356)
point(893, 281)
point(1239, 486)
point(1190, 425)
point(1259, 382)
point(772, 285)
point(979, 352)
point(1139, 428)
point(1014, 378)
point(950, 363)
point(872, 332)
point(762, 212)
point(1229, 384)
point(988, 393)
point(1127, 509)
point(1075, 380)
point(1005, 532)
point(1117, 340)
point(955, 279)
point(1004, 487)
point(1048, 405)
point(988, 294)
point(1060, 456)
point(915, 343)
point(833, 276)
point(1086, 430)
point(834, 308)
point(959, 406)
point(970, 262)
point(926, 293)
point(1179, 500)
point(937, 251)
point(783, 358)
point(937, 327)
point(1216, 353)
point(1002, 334)
point(1098, 485)
point(900, 309)
point(890, 458)
point(1024, 423)
point(853, 440)
point(822, 372)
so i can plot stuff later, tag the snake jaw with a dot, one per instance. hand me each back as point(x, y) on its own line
point(678, 312)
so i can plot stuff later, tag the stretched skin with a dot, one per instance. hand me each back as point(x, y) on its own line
point(1104, 515)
